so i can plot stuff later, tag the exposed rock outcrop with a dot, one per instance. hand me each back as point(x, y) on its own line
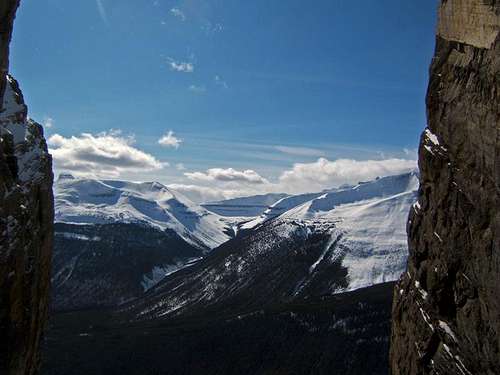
point(446, 312)
point(8, 10)
point(26, 220)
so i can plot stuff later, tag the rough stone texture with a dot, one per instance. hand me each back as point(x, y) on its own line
point(471, 22)
point(7, 14)
point(26, 217)
point(446, 312)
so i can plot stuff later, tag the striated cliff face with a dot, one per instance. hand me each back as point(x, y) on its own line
point(26, 220)
point(446, 312)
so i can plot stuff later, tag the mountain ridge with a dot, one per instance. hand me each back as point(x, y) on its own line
point(94, 201)
point(292, 257)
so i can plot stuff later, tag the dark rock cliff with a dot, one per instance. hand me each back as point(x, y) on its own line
point(8, 10)
point(446, 312)
point(26, 217)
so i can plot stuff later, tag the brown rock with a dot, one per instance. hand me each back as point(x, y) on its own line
point(446, 312)
point(26, 220)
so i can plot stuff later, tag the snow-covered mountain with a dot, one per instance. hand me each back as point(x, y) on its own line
point(91, 201)
point(370, 220)
point(280, 207)
point(116, 239)
point(333, 242)
point(301, 246)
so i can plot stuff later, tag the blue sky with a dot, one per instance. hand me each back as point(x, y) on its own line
point(260, 86)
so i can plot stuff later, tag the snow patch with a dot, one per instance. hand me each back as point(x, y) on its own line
point(446, 328)
point(422, 292)
point(158, 273)
point(431, 137)
point(77, 236)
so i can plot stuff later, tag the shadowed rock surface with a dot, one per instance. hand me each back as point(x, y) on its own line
point(26, 217)
point(8, 10)
point(446, 312)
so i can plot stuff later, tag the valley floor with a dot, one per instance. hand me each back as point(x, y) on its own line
point(342, 334)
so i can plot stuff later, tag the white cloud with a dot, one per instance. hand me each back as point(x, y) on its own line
point(300, 178)
point(102, 11)
point(170, 140)
point(106, 154)
point(176, 12)
point(299, 151)
point(226, 176)
point(203, 194)
point(180, 167)
point(324, 173)
point(197, 89)
point(180, 66)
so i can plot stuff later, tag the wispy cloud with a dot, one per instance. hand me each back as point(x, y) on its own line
point(412, 152)
point(48, 122)
point(102, 11)
point(220, 82)
point(300, 151)
point(197, 89)
point(170, 140)
point(180, 66)
point(107, 154)
point(212, 28)
point(176, 12)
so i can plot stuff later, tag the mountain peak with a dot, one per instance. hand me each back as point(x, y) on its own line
point(93, 201)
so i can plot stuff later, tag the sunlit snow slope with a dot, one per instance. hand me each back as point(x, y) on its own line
point(90, 201)
point(371, 219)
point(333, 242)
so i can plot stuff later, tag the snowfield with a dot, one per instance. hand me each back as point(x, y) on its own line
point(370, 219)
point(90, 201)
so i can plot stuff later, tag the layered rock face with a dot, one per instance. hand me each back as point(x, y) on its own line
point(26, 220)
point(446, 312)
